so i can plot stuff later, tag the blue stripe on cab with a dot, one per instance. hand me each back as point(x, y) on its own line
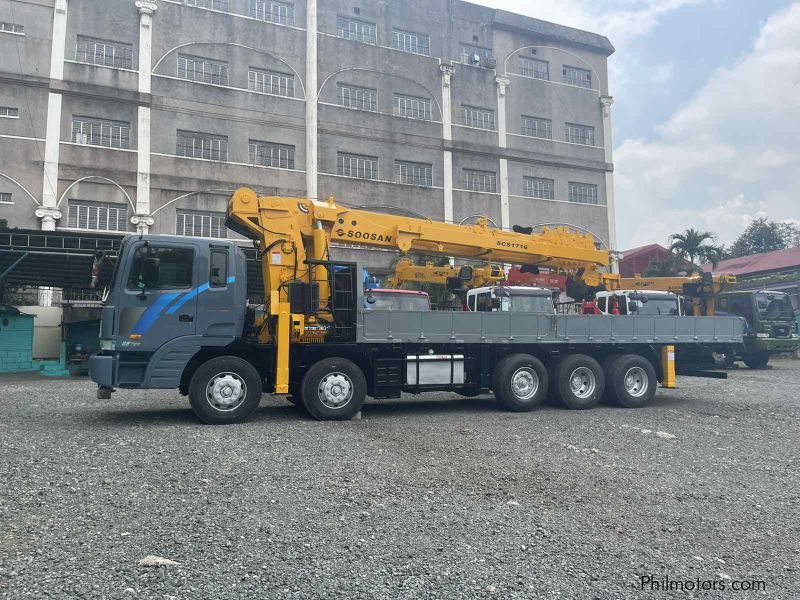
point(186, 297)
point(152, 313)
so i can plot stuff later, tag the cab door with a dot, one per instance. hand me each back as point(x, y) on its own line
point(158, 300)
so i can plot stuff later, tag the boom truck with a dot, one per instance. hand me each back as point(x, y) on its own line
point(176, 316)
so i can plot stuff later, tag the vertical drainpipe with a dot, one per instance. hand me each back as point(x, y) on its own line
point(49, 212)
point(505, 211)
point(447, 136)
point(311, 99)
point(142, 219)
point(606, 102)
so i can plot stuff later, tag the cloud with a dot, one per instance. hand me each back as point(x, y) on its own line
point(729, 155)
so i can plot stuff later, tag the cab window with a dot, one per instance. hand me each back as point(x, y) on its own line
point(484, 302)
point(218, 275)
point(601, 303)
point(161, 268)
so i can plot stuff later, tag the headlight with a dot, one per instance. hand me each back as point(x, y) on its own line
point(762, 335)
point(106, 344)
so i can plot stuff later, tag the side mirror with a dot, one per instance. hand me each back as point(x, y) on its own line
point(496, 303)
point(639, 297)
point(465, 273)
point(150, 271)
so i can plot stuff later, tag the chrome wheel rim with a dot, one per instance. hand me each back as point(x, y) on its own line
point(582, 382)
point(524, 383)
point(335, 390)
point(636, 382)
point(226, 391)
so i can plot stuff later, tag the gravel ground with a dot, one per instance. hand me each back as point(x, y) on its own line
point(434, 498)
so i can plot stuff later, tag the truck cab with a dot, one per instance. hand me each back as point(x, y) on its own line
point(771, 325)
point(512, 298)
point(637, 302)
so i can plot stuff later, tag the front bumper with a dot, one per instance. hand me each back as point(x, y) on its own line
point(772, 345)
point(102, 368)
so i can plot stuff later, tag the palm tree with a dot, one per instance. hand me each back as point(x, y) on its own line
point(692, 245)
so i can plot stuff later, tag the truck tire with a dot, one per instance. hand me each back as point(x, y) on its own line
point(578, 382)
point(520, 382)
point(631, 381)
point(334, 389)
point(757, 360)
point(223, 390)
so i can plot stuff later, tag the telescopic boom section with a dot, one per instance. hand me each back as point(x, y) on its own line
point(293, 230)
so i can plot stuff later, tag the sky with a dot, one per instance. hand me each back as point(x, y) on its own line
point(706, 111)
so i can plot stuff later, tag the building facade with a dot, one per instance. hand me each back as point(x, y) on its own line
point(144, 115)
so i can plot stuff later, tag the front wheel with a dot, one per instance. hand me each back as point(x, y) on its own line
point(757, 360)
point(334, 389)
point(226, 389)
point(520, 382)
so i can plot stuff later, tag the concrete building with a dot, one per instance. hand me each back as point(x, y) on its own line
point(143, 115)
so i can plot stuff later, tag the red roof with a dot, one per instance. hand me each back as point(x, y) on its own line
point(759, 263)
point(640, 249)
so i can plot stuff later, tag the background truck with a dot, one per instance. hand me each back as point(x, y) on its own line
point(177, 317)
point(771, 325)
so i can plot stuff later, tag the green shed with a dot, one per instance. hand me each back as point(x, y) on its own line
point(16, 341)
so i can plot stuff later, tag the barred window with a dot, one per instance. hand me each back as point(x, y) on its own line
point(480, 181)
point(576, 76)
point(9, 112)
point(580, 134)
point(413, 173)
point(272, 11)
point(469, 52)
point(201, 224)
point(103, 52)
point(536, 127)
point(356, 165)
point(538, 187)
point(482, 118)
point(5, 198)
point(269, 154)
point(101, 132)
point(203, 70)
point(412, 107)
point(97, 216)
point(361, 98)
point(584, 193)
point(192, 144)
point(212, 4)
point(532, 67)
point(12, 28)
point(408, 41)
point(270, 82)
point(358, 31)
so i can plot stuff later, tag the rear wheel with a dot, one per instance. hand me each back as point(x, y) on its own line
point(578, 382)
point(630, 381)
point(226, 389)
point(520, 382)
point(757, 360)
point(334, 389)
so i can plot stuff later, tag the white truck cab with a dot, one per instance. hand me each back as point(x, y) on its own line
point(638, 302)
point(510, 298)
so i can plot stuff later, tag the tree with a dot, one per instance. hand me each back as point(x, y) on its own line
point(763, 235)
point(694, 245)
point(3, 224)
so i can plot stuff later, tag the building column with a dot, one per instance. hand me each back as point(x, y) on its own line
point(49, 213)
point(312, 94)
point(505, 210)
point(606, 102)
point(141, 218)
point(447, 136)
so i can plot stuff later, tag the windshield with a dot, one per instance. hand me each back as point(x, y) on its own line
point(657, 306)
point(389, 301)
point(533, 304)
point(774, 306)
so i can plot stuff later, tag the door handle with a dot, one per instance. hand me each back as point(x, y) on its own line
point(185, 318)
